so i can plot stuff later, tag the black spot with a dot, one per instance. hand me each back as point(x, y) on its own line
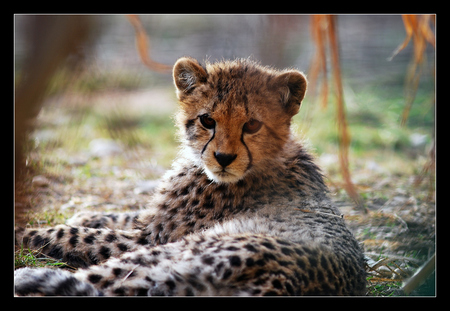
point(73, 230)
point(218, 268)
point(299, 251)
point(31, 233)
point(227, 274)
point(107, 284)
point(142, 240)
point(260, 272)
point(281, 242)
point(256, 292)
point(313, 262)
point(190, 123)
point(232, 248)
point(320, 276)
point(268, 245)
point(189, 292)
point(287, 251)
point(74, 240)
point(105, 252)
point(39, 241)
point(270, 293)
point(184, 192)
point(289, 289)
point(56, 252)
point(284, 263)
point(312, 275)
point(75, 260)
point(207, 260)
point(94, 278)
point(277, 284)
point(155, 252)
point(305, 280)
point(89, 239)
point(208, 205)
point(141, 291)
point(122, 247)
point(110, 238)
point(65, 287)
point(113, 217)
point(244, 277)
point(60, 233)
point(301, 263)
point(196, 251)
point(192, 280)
point(269, 256)
point(235, 261)
point(93, 258)
point(249, 262)
point(119, 291)
point(250, 248)
point(170, 284)
point(324, 262)
point(117, 271)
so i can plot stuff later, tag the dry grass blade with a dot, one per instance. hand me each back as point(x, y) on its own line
point(143, 43)
point(420, 276)
point(430, 170)
point(319, 63)
point(417, 27)
point(344, 135)
point(323, 26)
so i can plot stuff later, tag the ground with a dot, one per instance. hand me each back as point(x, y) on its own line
point(104, 151)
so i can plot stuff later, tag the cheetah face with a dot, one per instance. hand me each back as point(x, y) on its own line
point(235, 116)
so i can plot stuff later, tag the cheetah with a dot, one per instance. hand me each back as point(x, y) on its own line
point(244, 210)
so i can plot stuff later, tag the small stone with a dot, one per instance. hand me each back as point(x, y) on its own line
point(40, 181)
point(101, 148)
point(146, 186)
point(418, 140)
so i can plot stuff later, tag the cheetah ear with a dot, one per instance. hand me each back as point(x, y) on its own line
point(188, 74)
point(292, 88)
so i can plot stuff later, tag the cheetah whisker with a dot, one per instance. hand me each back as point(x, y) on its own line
point(129, 273)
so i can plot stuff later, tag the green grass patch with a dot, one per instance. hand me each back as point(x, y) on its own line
point(35, 259)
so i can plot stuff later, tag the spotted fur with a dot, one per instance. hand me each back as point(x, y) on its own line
point(243, 211)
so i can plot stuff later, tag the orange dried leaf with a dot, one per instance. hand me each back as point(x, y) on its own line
point(323, 27)
point(417, 27)
point(142, 44)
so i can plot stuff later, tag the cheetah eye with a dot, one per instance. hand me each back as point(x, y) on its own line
point(207, 121)
point(252, 126)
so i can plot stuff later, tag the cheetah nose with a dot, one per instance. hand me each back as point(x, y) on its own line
point(224, 159)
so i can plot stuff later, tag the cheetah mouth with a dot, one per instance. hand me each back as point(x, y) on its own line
point(222, 175)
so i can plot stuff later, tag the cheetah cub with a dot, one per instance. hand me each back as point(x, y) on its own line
point(244, 210)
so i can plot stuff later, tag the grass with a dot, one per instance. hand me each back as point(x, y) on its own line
point(385, 289)
point(34, 258)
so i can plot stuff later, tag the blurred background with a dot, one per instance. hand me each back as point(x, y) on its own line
point(105, 130)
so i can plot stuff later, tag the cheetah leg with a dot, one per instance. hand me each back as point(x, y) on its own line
point(249, 265)
point(122, 221)
point(50, 282)
point(79, 246)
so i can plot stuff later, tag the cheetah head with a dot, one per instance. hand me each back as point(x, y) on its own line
point(235, 115)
